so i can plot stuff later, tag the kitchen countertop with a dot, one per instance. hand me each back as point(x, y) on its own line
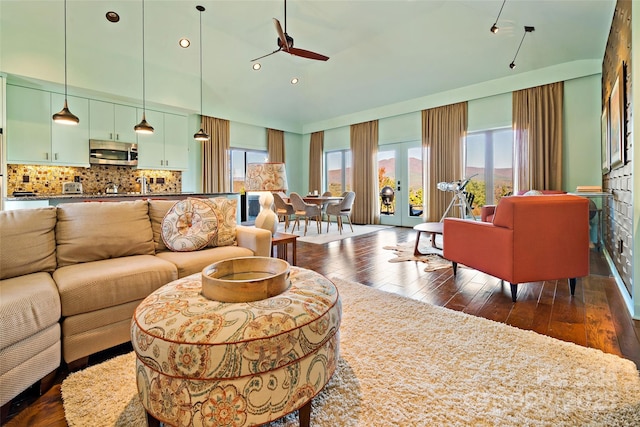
point(109, 195)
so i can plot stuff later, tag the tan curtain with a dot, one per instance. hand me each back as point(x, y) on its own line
point(316, 161)
point(364, 154)
point(275, 145)
point(537, 125)
point(443, 132)
point(215, 155)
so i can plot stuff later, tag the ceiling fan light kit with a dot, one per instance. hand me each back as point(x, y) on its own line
point(65, 116)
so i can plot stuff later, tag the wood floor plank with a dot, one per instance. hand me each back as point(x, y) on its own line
point(596, 317)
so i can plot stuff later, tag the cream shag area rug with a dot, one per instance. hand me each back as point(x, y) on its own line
point(407, 363)
point(432, 258)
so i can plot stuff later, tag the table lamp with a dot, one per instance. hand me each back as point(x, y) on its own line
point(266, 178)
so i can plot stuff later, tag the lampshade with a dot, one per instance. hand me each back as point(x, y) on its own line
point(143, 127)
point(65, 116)
point(201, 135)
point(266, 177)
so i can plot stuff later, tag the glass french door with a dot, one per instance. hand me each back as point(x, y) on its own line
point(400, 169)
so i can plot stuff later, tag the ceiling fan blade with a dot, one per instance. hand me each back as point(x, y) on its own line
point(307, 54)
point(264, 56)
point(281, 35)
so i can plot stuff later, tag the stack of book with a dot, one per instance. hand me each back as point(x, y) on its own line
point(589, 189)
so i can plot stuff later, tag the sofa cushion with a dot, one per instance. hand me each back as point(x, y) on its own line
point(101, 230)
point(157, 210)
point(27, 241)
point(91, 286)
point(226, 210)
point(189, 225)
point(194, 262)
point(28, 304)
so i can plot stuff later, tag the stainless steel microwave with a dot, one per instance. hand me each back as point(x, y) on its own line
point(113, 153)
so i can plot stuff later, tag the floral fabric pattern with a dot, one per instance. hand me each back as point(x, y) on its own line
point(226, 211)
point(189, 225)
point(207, 363)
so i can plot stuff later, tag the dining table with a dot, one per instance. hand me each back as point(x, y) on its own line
point(317, 200)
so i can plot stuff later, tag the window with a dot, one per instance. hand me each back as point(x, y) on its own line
point(338, 171)
point(489, 156)
point(239, 160)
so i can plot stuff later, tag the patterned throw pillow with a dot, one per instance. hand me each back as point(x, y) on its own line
point(226, 210)
point(189, 225)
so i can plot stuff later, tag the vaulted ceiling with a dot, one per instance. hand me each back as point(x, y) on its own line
point(381, 51)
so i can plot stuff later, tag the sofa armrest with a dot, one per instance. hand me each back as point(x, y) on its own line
point(479, 245)
point(256, 239)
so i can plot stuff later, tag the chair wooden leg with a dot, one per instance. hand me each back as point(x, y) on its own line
point(514, 291)
point(328, 222)
point(319, 224)
point(572, 286)
point(340, 224)
point(349, 219)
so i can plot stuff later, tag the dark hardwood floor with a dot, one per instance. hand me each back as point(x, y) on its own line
point(595, 317)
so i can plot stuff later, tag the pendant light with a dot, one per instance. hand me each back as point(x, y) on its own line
point(143, 127)
point(201, 135)
point(65, 116)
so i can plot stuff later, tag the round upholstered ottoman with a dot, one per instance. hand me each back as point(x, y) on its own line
point(207, 363)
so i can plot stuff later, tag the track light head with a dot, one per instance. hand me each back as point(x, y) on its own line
point(512, 65)
point(494, 28)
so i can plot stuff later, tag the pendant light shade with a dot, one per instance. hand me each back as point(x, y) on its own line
point(143, 127)
point(65, 116)
point(201, 135)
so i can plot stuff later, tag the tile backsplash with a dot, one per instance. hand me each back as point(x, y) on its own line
point(45, 180)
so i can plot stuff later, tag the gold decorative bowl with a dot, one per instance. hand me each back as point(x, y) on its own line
point(245, 279)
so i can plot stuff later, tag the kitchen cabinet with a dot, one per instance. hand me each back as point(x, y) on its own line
point(167, 147)
point(34, 138)
point(111, 122)
point(28, 125)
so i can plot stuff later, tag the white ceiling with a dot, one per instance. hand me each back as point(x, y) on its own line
point(381, 51)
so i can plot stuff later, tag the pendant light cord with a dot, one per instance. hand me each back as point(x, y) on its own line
point(499, 13)
point(200, 65)
point(65, 50)
point(144, 102)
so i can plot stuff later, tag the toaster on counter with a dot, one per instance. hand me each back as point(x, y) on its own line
point(71, 188)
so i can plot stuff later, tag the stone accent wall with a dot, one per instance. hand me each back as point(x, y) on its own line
point(46, 180)
point(618, 210)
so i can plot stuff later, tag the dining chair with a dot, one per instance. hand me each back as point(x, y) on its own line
point(341, 209)
point(284, 210)
point(324, 205)
point(306, 211)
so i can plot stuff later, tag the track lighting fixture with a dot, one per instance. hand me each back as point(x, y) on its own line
point(527, 29)
point(201, 135)
point(65, 116)
point(494, 28)
point(143, 127)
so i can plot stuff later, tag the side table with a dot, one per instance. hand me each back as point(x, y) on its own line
point(280, 242)
point(432, 228)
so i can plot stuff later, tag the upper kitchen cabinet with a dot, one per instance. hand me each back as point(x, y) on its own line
point(167, 148)
point(28, 125)
point(111, 122)
point(33, 137)
point(70, 143)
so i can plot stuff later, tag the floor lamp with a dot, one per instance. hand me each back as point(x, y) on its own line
point(266, 178)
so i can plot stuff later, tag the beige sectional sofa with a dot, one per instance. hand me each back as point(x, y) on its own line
point(71, 277)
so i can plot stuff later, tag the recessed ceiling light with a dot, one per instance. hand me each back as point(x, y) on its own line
point(294, 81)
point(184, 42)
point(257, 66)
point(112, 16)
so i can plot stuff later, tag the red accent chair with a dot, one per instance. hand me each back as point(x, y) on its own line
point(531, 238)
point(487, 211)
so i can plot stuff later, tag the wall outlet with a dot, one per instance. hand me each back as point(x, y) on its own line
point(159, 180)
point(620, 246)
point(25, 178)
point(76, 178)
point(150, 180)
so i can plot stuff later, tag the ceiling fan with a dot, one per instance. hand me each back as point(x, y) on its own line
point(285, 42)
